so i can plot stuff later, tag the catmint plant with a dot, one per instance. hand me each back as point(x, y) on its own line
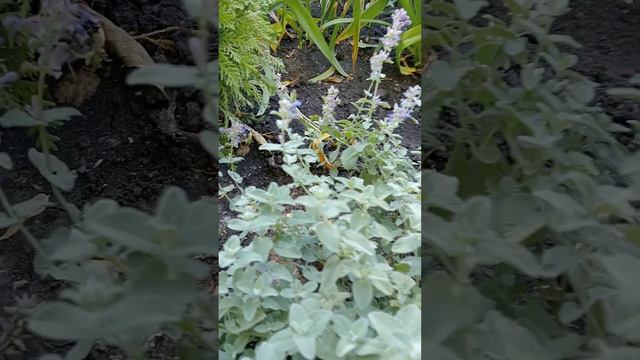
point(47, 31)
point(237, 133)
point(330, 103)
point(532, 217)
point(334, 270)
point(353, 140)
point(128, 274)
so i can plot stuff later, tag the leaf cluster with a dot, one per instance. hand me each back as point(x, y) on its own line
point(339, 21)
point(533, 220)
point(247, 67)
point(325, 266)
point(128, 274)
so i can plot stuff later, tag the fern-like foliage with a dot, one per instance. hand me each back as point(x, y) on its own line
point(246, 63)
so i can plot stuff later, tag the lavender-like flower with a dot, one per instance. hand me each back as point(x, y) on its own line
point(331, 101)
point(376, 101)
point(65, 31)
point(403, 111)
point(401, 20)
point(288, 109)
point(412, 97)
point(377, 61)
point(390, 40)
point(398, 115)
point(278, 80)
point(237, 133)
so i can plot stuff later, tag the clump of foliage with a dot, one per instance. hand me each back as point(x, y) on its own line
point(334, 26)
point(533, 219)
point(247, 67)
point(51, 39)
point(129, 274)
point(327, 266)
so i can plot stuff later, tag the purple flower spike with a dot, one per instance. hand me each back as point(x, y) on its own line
point(401, 21)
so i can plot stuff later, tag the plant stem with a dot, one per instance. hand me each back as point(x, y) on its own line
point(38, 112)
point(4, 201)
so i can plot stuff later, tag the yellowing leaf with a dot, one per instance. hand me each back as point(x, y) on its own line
point(76, 89)
point(258, 137)
point(316, 145)
point(124, 45)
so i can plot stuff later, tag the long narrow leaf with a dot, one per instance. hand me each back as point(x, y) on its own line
point(324, 75)
point(412, 8)
point(411, 37)
point(357, 14)
point(350, 20)
point(345, 8)
point(370, 13)
point(306, 22)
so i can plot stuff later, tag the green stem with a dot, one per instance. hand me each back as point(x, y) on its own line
point(38, 111)
point(4, 201)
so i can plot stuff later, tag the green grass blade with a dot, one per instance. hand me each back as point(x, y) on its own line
point(328, 10)
point(412, 8)
point(357, 14)
point(411, 37)
point(324, 75)
point(313, 31)
point(370, 13)
point(345, 8)
point(350, 20)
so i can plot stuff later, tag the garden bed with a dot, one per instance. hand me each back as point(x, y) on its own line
point(257, 168)
point(610, 54)
point(117, 149)
point(513, 108)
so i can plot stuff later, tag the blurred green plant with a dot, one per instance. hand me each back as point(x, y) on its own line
point(15, 55)
point(533, 222)
point(128, 274)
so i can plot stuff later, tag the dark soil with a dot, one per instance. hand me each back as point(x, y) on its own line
point(118, 151)
point(258, 168)
point(610, 54)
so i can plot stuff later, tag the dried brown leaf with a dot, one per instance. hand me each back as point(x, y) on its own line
point(291, 83)
point(77, 89)
point(258, 137)
point(124, 45)
point(12, 230)
point(243, 150)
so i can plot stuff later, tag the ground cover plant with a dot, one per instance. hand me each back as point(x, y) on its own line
point(323, 25)
point(326, 265)
point(127, 275)
point(530, 203)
